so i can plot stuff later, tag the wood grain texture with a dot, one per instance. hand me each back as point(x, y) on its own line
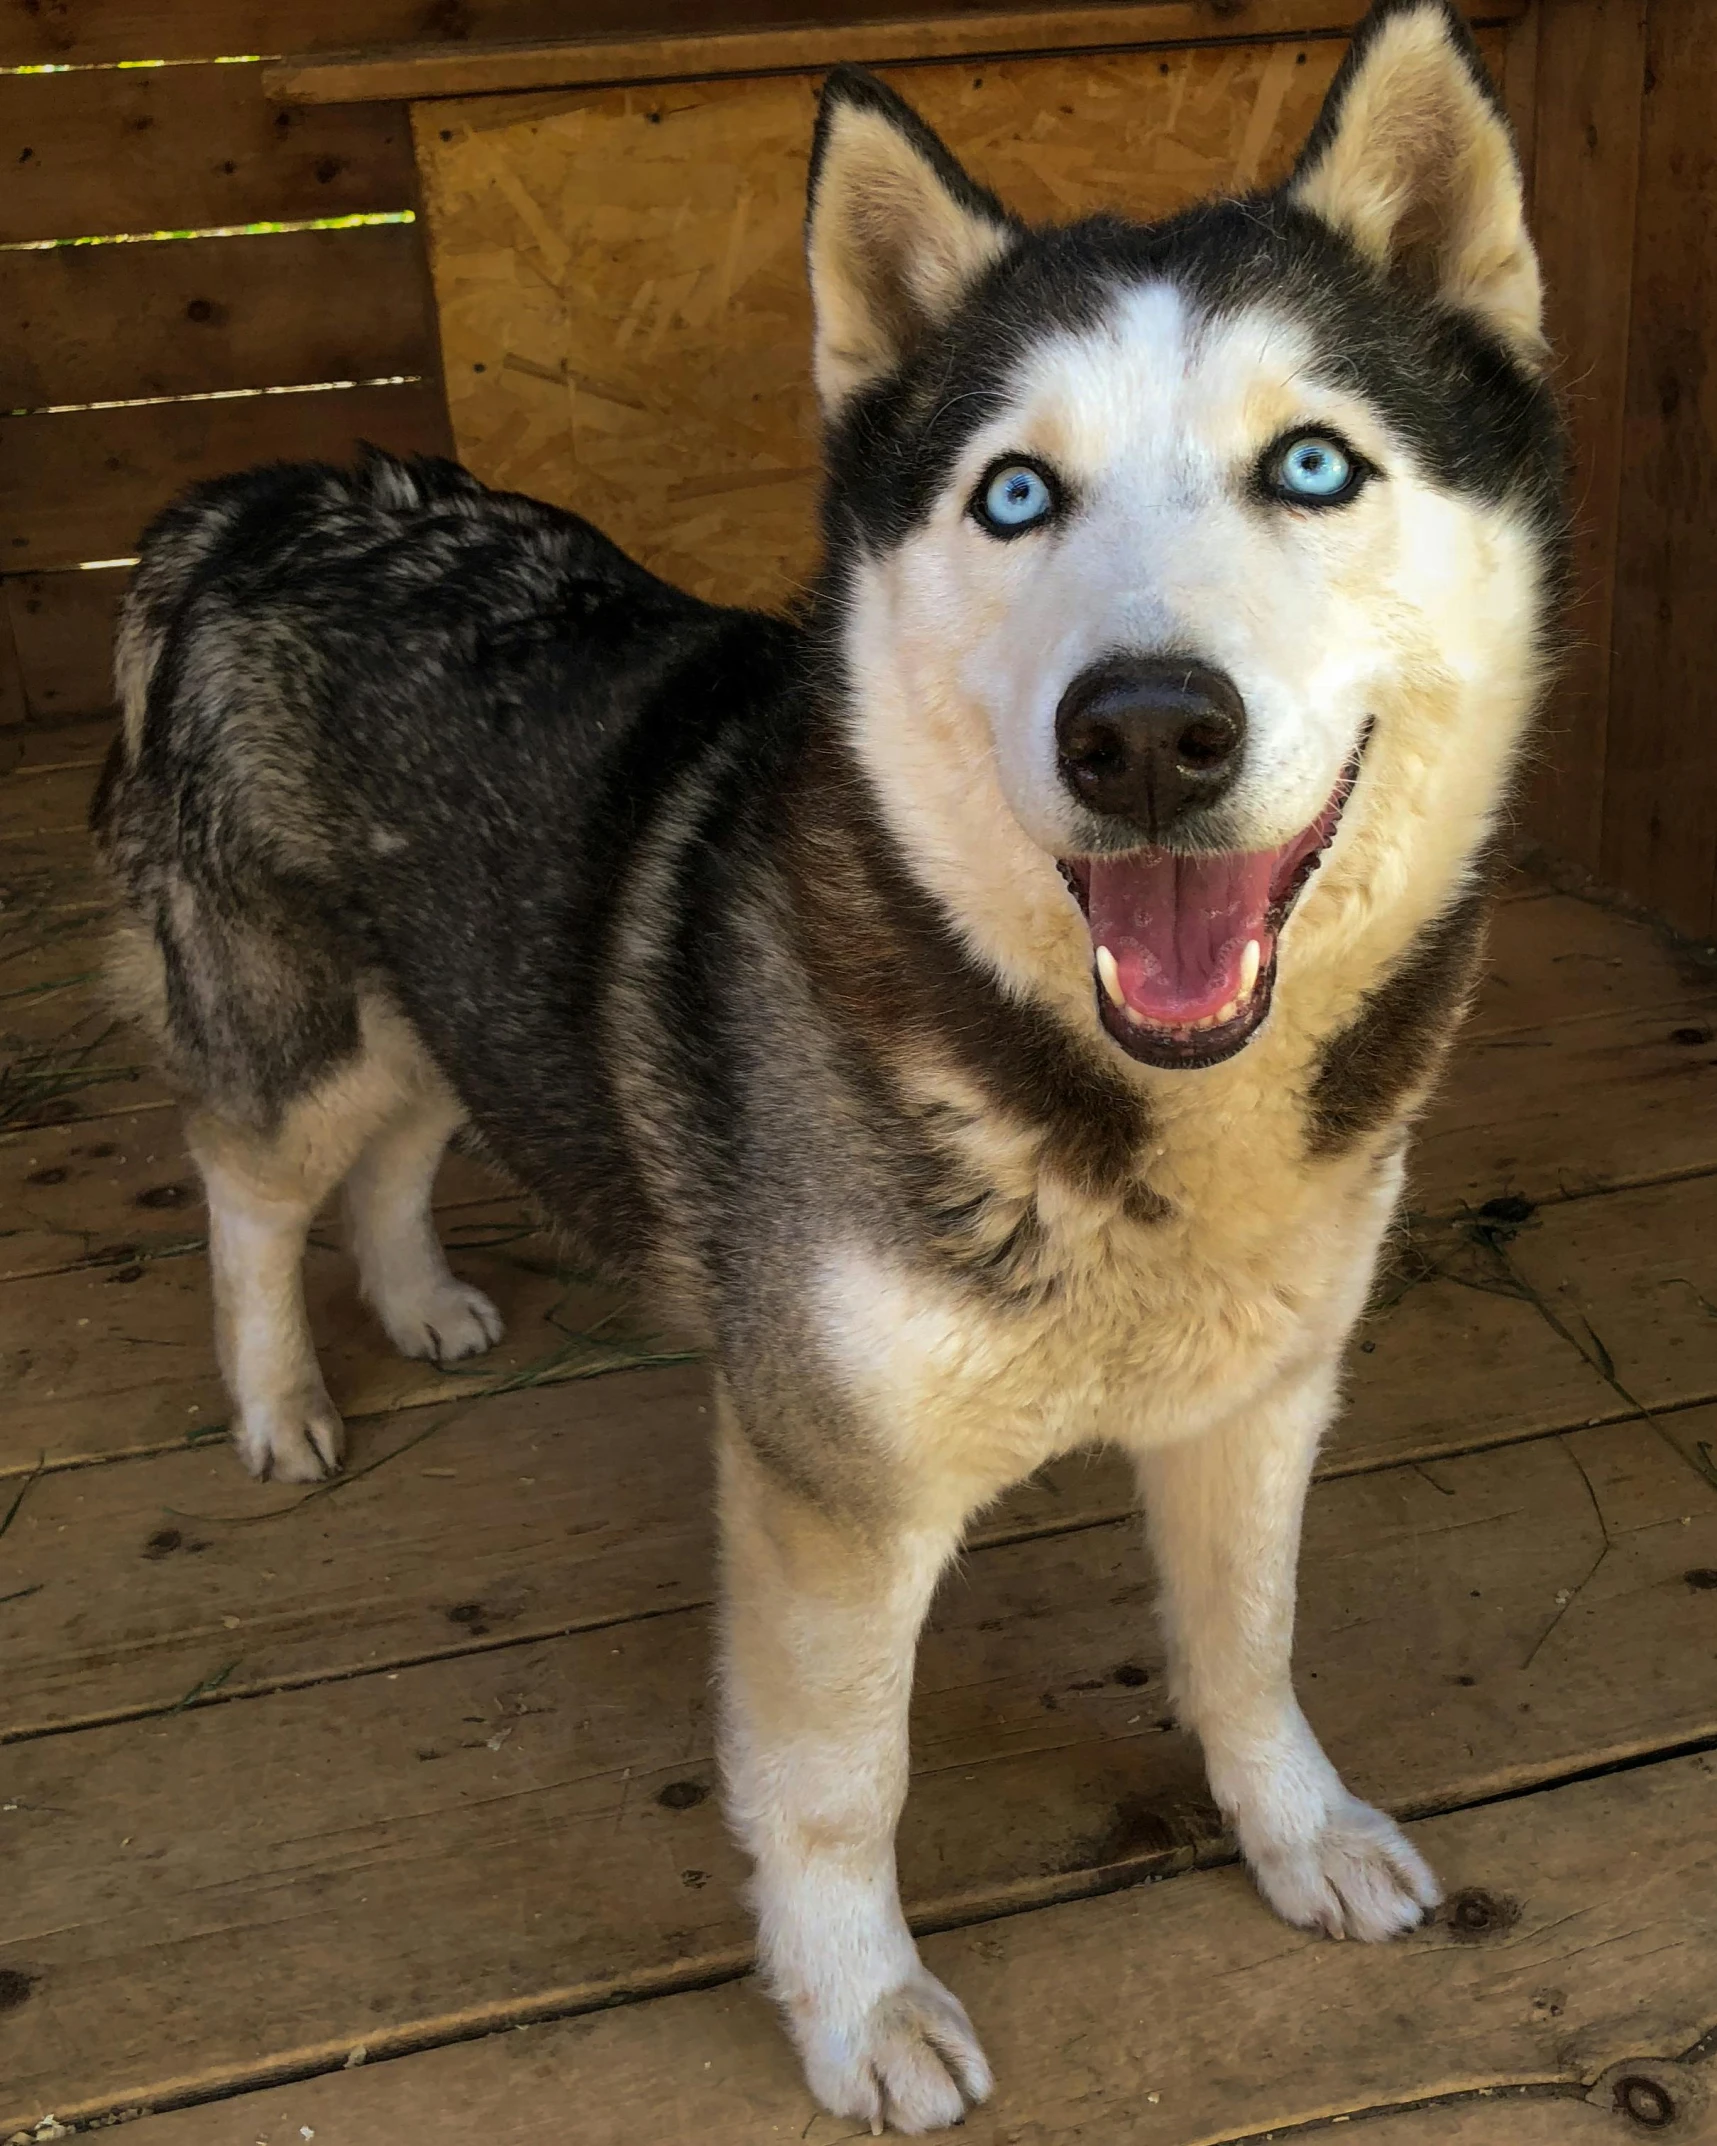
point(494, 1839)
point(1590, 73)
point(123, 1189)
point(1660, 815)
point(185, 318)
point(35, 32)
point(83, 485)
point(439, 70)
point(184, 148)
point(619, 277)
point(1171, 2015)
point(62, 627)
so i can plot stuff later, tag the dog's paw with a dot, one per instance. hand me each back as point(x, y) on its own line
point(912, 2064)
point(1358, 1875)
point(444, 1323)
point(298, 1439)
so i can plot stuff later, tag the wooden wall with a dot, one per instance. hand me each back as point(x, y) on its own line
point(176, 336)
point(1625, 207)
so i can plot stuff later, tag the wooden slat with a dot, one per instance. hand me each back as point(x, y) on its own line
point(183, 149)
point(492, 1839)
point(14, 703)
point(1173, 2015)
point(85, 31)
point(1660, 785)
point(83, 486)
point(91, 322)
point(62, 626)
point(125, 1363)
point(123, 1189)
point(1580, 1106)
point(51, 748)
point(428, 71)
point(1590, 68)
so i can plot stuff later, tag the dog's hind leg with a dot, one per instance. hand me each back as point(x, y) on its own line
point(264, 1190)
point(425, 1308)
point(822, 1613)
point(1224, 1513)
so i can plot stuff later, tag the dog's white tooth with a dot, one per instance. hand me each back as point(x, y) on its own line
point(1250, 963)
point(1228, 1012)
point(1137, 1019)
point(1110, 977)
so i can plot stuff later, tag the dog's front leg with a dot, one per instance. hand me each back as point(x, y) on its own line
point(822, 1611)
point(1224, 1515)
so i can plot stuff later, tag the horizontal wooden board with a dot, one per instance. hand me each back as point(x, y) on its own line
point(104, 150)
point(126, 1361)
point(83, 486)
point(438, 70)
point(1171, 2015)
point(124, 1189)
point(85, 31)
point(93, 322)
point(494, 1837)
point(62, 628)
point(1575, 1107)
point(52, 749)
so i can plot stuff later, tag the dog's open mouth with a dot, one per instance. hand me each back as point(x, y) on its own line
point(1184, 946)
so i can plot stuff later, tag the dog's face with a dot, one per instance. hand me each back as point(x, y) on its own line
point(1181, 545)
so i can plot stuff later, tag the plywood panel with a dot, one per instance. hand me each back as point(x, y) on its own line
point(467, 1841)
point(1172, 2015)
point(62, 627)
point(624, 316)
point(83, 486)
point(183, 148)
point(1660, 813)
point(185, 318)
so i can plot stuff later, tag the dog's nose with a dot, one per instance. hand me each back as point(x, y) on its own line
point(1149, 739)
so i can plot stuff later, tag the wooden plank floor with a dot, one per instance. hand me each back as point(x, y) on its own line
point(385, 1813)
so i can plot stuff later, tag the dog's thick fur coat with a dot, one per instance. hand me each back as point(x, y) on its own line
point(769, 955)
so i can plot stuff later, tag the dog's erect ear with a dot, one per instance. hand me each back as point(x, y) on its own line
point(895, 232)
point(1412, 160)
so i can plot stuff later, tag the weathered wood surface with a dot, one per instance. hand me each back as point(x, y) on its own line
point(1660, 779)
point(224, 1939)
point(106, 1360)
point(1590, 77)
point(199, 315)
point(438, 70)
point(125, 1189)
point(62, 628)
point(104, 150)
point(53, 515)
point(85, 31)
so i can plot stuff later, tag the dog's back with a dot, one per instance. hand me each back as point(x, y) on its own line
point(389, 739)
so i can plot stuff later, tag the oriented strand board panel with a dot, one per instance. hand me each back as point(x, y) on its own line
point(625, 324)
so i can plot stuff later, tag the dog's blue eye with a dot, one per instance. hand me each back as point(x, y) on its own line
point(1314, 469)
point(1016, 498)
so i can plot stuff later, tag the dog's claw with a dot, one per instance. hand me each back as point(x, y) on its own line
point(912, 2064)
point(1357, 1876)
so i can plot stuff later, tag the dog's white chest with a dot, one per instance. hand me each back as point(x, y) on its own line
point(1140, 1333)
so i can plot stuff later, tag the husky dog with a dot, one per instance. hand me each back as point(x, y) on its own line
point(990, 1011)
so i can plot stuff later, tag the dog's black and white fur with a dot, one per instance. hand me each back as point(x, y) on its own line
point(930, 1003)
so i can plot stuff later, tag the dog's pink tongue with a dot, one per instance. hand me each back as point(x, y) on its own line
point(1178, 928)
